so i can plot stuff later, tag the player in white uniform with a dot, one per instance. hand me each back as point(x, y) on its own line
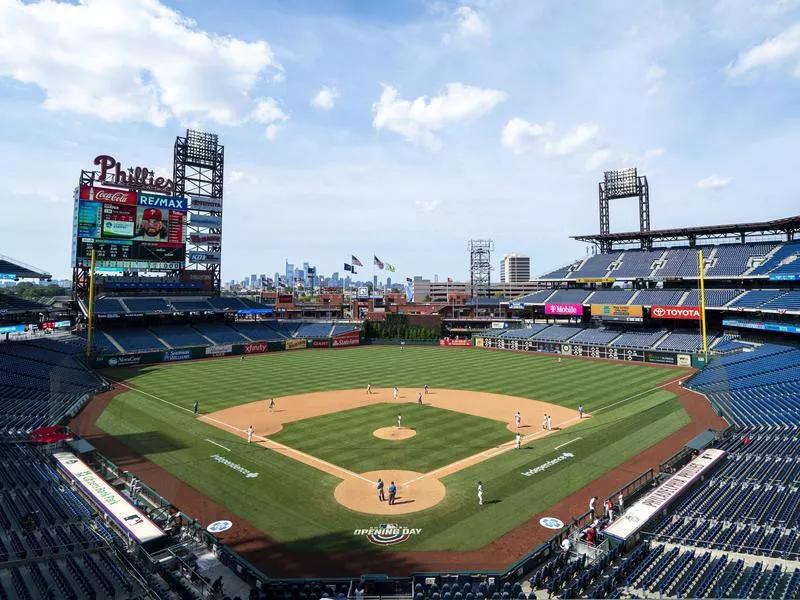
point(549, 423)
point(399, 422)
point(396, 393)
point(369, 389)
point(480, 493)
point(517, 419)
point(519, 441)
point(249, 434)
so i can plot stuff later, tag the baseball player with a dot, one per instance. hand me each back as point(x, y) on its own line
point(480, 493)
point(271, 404)
point(426, 388)
point(559, 359)
point(249, 434)
point(396, 394)
point(591, 505)
point(196, 405)
point(399, 421)
point(519, 441)
point(517, 419)
point(549, 423)
point(381, 497)
point(580, 411)
point(369, 389)
point(544, 423)
point(621, 503)
point(419, 398)
point(392, 492)
point(241, 358)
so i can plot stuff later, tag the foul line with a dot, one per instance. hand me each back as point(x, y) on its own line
point(277, 446)
point(216, 444)
point(658, 387)
point(567, 443)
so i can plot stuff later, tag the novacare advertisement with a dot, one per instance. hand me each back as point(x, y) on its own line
point(117, 507)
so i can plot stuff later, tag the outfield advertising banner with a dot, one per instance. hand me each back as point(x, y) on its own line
point(638, 515)
point(8, 276)
point(221, 350)
point(479, 341)
point(177, 355)
point(618, 312)
point(319, 343)
point(687, 313)
point(256, 348)
point(582, 350)
point(450, 342)
point(295, 344)
point(564, 310)
point(661, 358)
point(352, 338)
point(112, 502)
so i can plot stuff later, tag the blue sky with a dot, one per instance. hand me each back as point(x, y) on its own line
point(404, 128)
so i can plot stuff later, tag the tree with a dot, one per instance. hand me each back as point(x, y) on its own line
point(31, 291)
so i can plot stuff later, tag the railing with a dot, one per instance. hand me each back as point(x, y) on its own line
point(676, 461)
point(632, 488)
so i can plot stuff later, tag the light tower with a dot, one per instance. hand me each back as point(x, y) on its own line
point(480, 267)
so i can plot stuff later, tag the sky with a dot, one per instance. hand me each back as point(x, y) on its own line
point(404, 128)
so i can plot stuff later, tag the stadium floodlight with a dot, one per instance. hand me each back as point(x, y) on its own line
point(623, 183)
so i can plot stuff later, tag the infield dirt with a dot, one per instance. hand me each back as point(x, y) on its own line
point(416, 491)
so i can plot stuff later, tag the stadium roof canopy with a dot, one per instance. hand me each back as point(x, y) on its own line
point(9, 266)
point(788, 227)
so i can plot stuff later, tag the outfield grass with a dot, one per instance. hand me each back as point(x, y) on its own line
point(630, 414)
point(345, 438)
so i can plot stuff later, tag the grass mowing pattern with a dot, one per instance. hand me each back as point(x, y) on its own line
point(294, 502)
point(345, 438)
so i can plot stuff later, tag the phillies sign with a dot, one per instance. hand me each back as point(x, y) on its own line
point(686, 313)
point(107, 195)
point(139, 178)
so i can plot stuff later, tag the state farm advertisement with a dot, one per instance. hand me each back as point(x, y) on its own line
point(449, 342)
point(351, 338)
point(685, 313)
point(564, 310)
point(256, 348)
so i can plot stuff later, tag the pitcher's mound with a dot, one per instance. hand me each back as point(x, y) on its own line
point(394, 434)
point(413, 494)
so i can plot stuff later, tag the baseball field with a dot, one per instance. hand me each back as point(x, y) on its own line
point(308, 476)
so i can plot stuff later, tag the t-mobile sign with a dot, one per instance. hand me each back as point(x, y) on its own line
point(564, 310)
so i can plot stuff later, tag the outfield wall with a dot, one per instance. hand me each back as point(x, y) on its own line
point(133, 359)
point(660, 357)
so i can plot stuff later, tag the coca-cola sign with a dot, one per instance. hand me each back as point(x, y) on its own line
point(687, 313)
point(133, 178)
point(107, 195)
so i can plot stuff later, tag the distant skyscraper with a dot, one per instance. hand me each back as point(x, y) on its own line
point(516, 268)
point(289, 273)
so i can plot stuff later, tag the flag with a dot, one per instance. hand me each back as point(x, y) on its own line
point(378, 263)
point(355, 261)
point(409, 280)
point(390, 267)
point(449, 280)
point(348, 267)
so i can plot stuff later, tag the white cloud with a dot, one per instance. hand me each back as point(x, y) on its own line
point(576, 138)
point(469, 24)
point(427, 205)
point(236, 176)
point(518, 132)
point(783, 50)
point(598, 158)
point(654, 77)
point(714, 182)
point(417, 120)
point(272, 131)
point(130, 60)
point(325, 98)
point(654, 152)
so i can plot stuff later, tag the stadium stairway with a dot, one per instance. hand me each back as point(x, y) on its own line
point(162, 340)
point(111, 339)
point(683, 297)
point(735, 298)
point(767, 257)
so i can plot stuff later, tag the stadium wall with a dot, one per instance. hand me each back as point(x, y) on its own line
point(660, 357)
point(134, 359)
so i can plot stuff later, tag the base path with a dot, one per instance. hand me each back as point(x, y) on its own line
point(394, 434)
point(422, 490)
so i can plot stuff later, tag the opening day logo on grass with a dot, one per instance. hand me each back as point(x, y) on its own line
point(388, 534)
point(548, 464)
point(224, 461)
